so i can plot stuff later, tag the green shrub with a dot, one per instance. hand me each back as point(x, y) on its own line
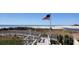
point(60, 39)
point(68, 40)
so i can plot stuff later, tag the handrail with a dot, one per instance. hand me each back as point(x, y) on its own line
point(34, 42)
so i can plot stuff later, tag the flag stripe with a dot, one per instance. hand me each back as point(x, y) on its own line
point(46, 17)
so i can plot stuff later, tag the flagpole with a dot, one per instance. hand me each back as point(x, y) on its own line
point(50, 27)
point(48, 17)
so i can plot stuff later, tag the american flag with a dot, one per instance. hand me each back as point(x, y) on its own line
point(47, 17)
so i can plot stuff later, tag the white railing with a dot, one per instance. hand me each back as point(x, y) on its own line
point(35, 41)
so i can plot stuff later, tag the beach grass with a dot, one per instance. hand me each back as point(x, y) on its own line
point(11, 42)
point(8, 40)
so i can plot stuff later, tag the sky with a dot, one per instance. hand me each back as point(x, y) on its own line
point(37, 19)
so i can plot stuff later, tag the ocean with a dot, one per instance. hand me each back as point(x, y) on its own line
point(41, 26)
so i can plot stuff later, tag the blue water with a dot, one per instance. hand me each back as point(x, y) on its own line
point(13, 26)
point(75, 29)
point(8, 26)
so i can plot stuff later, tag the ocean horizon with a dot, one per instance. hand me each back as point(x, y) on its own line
point(40, 26)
